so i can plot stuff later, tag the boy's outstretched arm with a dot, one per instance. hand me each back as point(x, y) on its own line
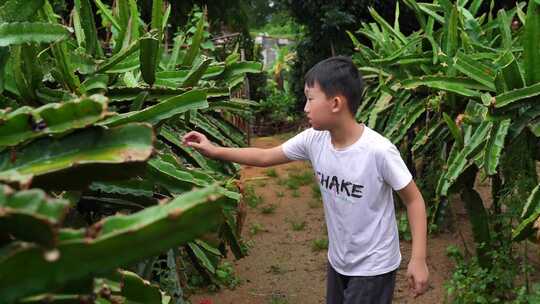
point(246, 156)
point(417, 270)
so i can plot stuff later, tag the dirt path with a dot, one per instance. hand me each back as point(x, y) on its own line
point(287, 260)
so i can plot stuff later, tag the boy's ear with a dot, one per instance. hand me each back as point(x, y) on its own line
point(338, 104)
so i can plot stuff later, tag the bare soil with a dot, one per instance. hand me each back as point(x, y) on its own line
point(284, 266)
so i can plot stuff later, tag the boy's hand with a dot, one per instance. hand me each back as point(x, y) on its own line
point(200, 143)
point(418, 274)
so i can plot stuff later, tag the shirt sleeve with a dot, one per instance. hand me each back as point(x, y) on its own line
point(394, 171)
point(297, 148)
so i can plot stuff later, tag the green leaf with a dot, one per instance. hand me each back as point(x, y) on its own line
point(201, 257)
point(195, 44)
point(84, 150)
point(157, 16)
point(194, 99)
point(19, 10)
point(200, 122)
point(461, 86)
point(31, 32)
point(495, 145)
point(108, 14)
point(178, 42)
point(56, 118)
point(454, 130)
point(149, 58)
point(176, 180)
point(196, 73)
point(475, 69)
point(451, 34)
point(457, 164)
point(510, 72)
point(531, 44)
point(517, 95)
point(152, 231)
point(117, 58)
point(531, 212)
point(31, 216)
point(84, 11)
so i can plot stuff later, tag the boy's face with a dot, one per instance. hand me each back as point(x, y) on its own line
point(318, 108)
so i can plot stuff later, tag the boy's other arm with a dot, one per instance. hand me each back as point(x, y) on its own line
point(417, 270)
point(247, 156)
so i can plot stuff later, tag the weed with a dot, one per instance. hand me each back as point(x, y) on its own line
point(296, 180)
point(226, 276)
point(280, 194)
point(298, 226)
point(319, 244)
point(403, 227)
point(252, 199)
point(296, 193)
point(268, 209)
point(271, 172)
point(255, 228)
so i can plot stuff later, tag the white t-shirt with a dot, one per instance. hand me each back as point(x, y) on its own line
point(356, 183)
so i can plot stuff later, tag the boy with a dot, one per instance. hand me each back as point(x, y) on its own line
point(357, 169)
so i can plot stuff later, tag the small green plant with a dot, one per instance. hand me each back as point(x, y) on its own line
point(225, 275)
point(473, 283)
point(295, 180)
point(280, 194)
point(252, 199)
point(403, 226)
point(261, 184)
point(271, 172)
point(268, 209)
point(281, 181)
point(255, 228)
point(295, 193)
point(292, 184)
point(319, 244)
point(298, 226)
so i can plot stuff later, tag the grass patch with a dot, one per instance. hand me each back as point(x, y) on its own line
point(280, 194)
point(298, 226)
point(226, 276)
point(268, 209)
point(255, 228)
point(296, 180)
point(319, 244)
point(252, 199)
point(271, 172)
point(295, 193)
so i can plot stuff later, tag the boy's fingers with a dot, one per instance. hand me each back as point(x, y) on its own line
point(411, 282)
point(191, 137)
point(193, 144)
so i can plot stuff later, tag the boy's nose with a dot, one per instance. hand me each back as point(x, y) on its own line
point(306, 108)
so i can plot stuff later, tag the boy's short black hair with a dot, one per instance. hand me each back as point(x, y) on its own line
point(338, 76)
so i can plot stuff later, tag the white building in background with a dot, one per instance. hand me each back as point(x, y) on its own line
point(270, 46)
